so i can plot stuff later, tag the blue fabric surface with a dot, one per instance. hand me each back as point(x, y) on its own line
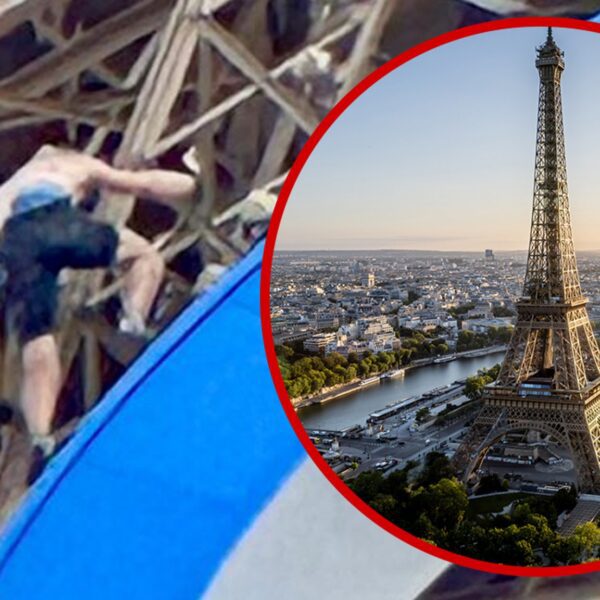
point(37, 196)
point(168, 472)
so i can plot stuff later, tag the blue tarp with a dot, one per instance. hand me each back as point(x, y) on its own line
point(170, 469)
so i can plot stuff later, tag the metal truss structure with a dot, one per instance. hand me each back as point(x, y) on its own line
point(550, 378)
point(231, 87)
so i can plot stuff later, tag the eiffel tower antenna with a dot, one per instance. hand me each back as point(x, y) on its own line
point(550, 378)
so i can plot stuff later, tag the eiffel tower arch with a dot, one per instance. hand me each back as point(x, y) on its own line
point(550, 378)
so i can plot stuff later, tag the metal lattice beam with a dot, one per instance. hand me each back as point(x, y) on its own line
point(549, 378)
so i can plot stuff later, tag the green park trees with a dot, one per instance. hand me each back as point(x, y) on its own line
point(433, 505)
point(490, 484)
point(474, 385)
point(469, 340)
point(583, 545)
point(305, 375)
point(502, 311)
point(422, 415)
point(422, 345)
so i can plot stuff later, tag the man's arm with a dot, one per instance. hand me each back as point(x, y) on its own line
point(168, 187)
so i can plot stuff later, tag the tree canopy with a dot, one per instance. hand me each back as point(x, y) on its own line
point(305, 374)
point(434, 506)
point(474, 385)
point(469, 340)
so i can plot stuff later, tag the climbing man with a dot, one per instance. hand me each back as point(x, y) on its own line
point(46, 229)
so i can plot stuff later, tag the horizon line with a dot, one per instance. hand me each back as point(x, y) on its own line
point(394, 250)
point(410, 250)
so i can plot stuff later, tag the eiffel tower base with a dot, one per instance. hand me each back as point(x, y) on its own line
point(574, 427)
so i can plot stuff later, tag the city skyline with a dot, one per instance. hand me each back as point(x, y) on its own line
point(429, 189)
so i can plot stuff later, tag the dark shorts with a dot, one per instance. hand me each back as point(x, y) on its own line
point(36, 246)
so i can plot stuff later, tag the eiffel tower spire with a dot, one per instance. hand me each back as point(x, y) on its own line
point(551, 266)
point(553, 333)
point(550, 378)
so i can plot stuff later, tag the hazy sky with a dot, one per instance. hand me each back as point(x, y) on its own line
point(440, 153)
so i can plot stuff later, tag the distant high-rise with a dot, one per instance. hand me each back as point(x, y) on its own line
point(489, 255)
point(359, 266)
point(550, 377)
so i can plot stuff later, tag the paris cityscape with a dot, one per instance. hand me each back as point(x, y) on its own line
point(458, 393)
point(367, 297)
point(380, 304)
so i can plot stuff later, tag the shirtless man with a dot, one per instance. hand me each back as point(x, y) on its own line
point(46, 229)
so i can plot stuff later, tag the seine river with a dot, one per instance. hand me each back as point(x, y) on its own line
point(354, 409)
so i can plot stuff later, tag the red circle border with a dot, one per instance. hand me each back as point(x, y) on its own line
point(323, 127)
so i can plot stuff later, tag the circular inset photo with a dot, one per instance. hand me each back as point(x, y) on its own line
point(431, 320)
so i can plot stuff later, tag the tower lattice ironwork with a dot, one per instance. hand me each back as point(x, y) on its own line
point(550, 378)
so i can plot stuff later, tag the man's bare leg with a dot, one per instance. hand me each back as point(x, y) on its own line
point(40, 388)
point(41, 379)
point(142, 279)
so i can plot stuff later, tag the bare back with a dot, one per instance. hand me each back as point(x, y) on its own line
point(72, 171)
point(77, 174)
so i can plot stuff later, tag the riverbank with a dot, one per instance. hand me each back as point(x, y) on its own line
point(355, 386)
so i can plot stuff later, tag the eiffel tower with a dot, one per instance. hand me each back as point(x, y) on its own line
point(550, 378)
